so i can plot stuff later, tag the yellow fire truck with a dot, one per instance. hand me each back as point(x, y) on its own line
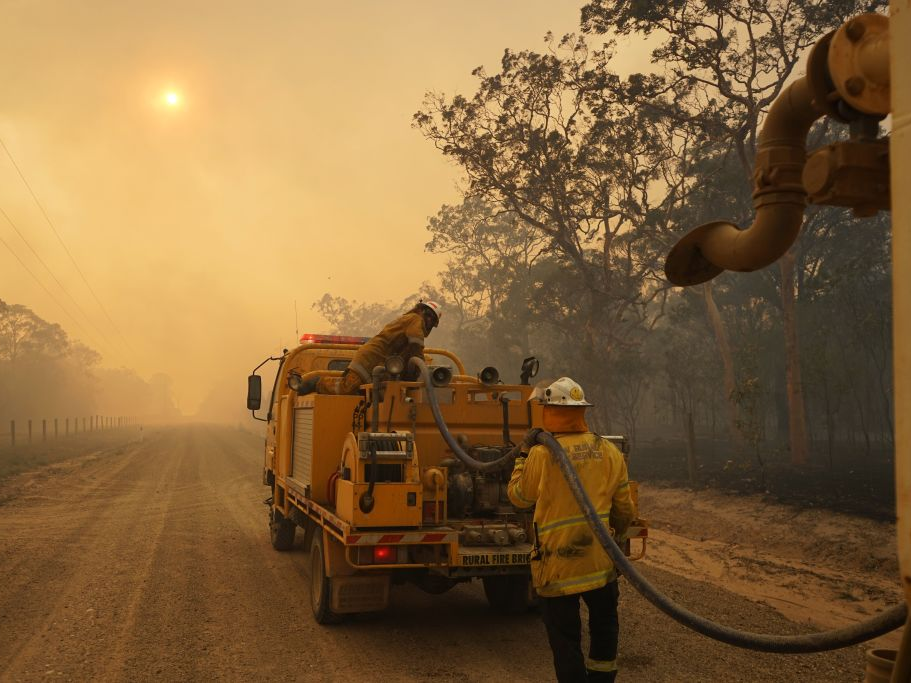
point(405, 482)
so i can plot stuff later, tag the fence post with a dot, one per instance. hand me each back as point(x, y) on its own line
point(67, 430)
point(75, 425)
point(30, 432)
point(12, 433)
point(44, 429)
point(56, 431)
point(83, 424)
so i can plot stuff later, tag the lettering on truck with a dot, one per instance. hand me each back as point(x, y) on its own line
point(487, 559)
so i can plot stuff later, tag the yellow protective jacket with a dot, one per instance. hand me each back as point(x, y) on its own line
point(404, 337)
point(568, 559)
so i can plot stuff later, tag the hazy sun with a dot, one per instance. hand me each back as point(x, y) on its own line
point(172, 98)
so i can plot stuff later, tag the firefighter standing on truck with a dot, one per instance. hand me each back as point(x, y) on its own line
point(568, 562)
point(403, 337)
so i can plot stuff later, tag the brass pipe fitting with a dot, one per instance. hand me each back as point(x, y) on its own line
point(847, 77)
point(778, 196)
point(858, 60)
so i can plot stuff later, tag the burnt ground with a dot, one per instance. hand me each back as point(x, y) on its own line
point(852, 482)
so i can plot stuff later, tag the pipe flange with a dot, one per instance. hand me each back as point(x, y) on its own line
point(858, 60)
point(685, 265)
point(781, 195)
point(825, 95)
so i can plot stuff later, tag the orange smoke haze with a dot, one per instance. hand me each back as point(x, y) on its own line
point(209, 163)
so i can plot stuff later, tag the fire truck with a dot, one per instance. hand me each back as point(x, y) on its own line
point(379, 483)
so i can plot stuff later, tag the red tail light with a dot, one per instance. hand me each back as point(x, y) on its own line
point(383, 554)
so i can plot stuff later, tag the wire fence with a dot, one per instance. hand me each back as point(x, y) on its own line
point(26, 432)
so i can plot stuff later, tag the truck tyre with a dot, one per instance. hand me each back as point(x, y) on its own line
point(320, 584)
point(509, 593)
point(310, 528)
point(281, 531)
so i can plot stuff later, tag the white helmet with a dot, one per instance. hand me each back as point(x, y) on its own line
point(564, 392)
point(434, 308)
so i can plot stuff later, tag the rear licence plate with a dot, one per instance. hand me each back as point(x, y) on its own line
point(488, 558)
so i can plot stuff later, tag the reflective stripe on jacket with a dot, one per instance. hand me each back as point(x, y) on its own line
point(404, 336)
point(569, 559)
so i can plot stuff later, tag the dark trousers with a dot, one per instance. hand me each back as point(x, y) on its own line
point(564, 631)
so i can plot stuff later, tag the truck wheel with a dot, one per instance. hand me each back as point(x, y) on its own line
point(320, 584)
point(508, 594)
point(310, 528)
point(281, 531)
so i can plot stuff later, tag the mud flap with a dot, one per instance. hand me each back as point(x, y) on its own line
point(359, 593)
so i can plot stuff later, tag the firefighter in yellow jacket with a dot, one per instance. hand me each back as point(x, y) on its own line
point(568, 562)
point(403, 337)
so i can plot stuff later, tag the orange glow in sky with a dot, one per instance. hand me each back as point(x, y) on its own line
point(207, 174)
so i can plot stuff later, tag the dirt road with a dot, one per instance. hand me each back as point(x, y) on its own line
point(151, 561)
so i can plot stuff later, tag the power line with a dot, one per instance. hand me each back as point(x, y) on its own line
point(42, 285)
point(65, 248)
point(59, 284)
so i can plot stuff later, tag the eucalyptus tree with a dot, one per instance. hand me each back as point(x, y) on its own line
point(724, 63)
point(552, 140)
point(488, 279)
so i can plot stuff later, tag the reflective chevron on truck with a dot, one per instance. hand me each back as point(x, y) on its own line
point(400, 538)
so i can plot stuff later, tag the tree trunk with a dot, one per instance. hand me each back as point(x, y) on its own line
point(727, 360)
point(797, 423)
point(691, 450)
point(830, 421)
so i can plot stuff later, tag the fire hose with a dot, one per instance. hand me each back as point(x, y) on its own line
point(469, 462)
point(886, 621)
point(883, 623)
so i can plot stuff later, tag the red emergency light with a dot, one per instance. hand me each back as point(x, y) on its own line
point(383, 554)
point(332, 339)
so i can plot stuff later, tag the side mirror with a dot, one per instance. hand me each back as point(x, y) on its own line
point(529, 368)
point(254, 392)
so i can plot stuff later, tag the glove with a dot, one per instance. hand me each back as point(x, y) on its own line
point(531, 439)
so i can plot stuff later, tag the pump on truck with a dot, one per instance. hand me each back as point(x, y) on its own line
point(403, 483)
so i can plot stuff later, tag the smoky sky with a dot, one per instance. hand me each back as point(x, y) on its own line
point(289, 168)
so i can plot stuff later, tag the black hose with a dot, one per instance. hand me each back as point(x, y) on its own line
point(375, 396)
point(467, 460)
point(505, 401)
point(367, 501)
point(389, 416)
point(882, 623)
